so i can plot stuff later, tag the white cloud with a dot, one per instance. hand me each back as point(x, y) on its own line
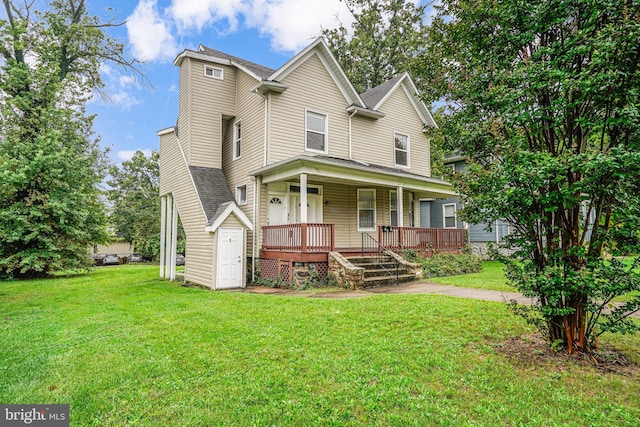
point(150, 34)
point(124, 100)
point(128, 154)
point(292, 24)
point(200, 13)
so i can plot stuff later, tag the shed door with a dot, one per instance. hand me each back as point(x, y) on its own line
point(230, 265)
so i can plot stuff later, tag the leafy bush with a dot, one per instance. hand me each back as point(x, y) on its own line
point(450, 265)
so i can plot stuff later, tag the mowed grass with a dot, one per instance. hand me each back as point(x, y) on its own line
point(491, 277)
point(124, 348)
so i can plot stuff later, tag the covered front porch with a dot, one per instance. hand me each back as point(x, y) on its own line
point(313, 242)
point(312, 206)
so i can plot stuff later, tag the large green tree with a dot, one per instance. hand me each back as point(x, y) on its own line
point(387, 36)
point(50, 162)
point(136, 204)
point(543, 98)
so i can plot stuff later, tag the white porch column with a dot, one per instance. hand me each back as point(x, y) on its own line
point(167, 252)
point(303, 199)
point(400, 207)
point(174, 239)
point(163, 222)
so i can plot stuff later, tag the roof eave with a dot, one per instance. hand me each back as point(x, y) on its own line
point(365, 112)
point(267, 86)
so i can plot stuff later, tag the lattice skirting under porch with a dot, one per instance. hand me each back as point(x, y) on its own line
point(283, 271)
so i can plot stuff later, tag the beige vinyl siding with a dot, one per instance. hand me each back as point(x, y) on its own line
point(175, 179)
point(310, 88)
point(373, 140)
point(210, 99)
point(250, 110)
point(184, 104)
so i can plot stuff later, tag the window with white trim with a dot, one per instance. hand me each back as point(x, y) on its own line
point(237, 140)
point(241, 195)
point(316, 136)
point(366, 210)
point(393, 207)
point(449, 215)
point(401, 149)
point(214, 72)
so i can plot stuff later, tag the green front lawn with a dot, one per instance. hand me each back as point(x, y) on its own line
point(491, 277)
point(124, 348)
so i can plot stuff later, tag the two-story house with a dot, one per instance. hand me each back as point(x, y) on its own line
point(269, 169)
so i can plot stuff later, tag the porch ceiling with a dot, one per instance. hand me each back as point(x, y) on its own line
point(350, 172)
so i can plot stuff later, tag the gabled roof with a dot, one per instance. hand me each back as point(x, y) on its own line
point(376, 97)
point(215, 197)
point(257, 69)
point(321, 48)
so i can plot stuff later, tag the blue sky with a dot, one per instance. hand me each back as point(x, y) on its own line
point(268, 32)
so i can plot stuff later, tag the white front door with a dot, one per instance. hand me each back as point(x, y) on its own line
point(277, 210)
point(314, 209)
point(230, 263)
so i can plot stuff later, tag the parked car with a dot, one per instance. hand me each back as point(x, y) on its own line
point(111, 259)
point(135, 258)
point(179, 259)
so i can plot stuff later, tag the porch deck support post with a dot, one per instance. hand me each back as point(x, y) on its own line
point(333, 237)
point(163, 222)
point(168, 238)
point(174, 239)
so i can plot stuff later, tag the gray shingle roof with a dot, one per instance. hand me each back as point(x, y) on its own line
point(382, 169)
point(375, 95)
point(260, 70)
point(213, 190)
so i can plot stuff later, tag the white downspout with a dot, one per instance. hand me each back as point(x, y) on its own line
point(257, 182)
point(350, 153)
point(266, 126)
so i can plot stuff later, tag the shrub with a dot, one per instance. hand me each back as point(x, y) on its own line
point(450, 265)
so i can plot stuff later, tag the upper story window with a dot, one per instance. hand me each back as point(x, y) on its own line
point(214, 72)
point(316, 138)
point(237, 140)
point(241, 195)
point(449, 215)
point(401, 149)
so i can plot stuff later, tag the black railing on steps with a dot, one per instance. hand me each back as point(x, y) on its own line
point(373, 249)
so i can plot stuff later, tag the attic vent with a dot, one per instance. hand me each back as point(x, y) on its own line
point(213, 72)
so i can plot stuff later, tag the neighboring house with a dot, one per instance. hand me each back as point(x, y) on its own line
point(119, 247)
point(444, 213)
point(271, 170)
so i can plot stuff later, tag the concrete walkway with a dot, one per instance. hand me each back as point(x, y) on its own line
point(417, 287)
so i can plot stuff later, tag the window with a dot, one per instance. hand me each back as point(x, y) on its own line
point(393, 207)
point(366, 210)
point(213, 72)
point(316, 132)
point(449, 215)
point(402, 149)
point(241, 195)
point(237, 140)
